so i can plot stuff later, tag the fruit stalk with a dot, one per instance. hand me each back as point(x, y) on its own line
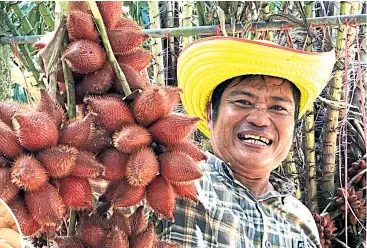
point(107, 45)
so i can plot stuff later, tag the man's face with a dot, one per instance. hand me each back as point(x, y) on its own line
point(254, 127)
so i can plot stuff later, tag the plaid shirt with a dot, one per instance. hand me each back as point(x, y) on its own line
point(228, 215)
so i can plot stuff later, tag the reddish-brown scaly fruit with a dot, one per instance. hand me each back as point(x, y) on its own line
point(4, 162)
point(111, 12)
point(68, 242)
point(50, 229)
point(163, 244)
point(142, 167)
point(80, 26)
point(189, 148)
point(116, 238)
point(9, 144)
point(111, 190)
point(125, 41)
point(161, 197)
point(35, 130)
point(50, 107)
point(115, 95)
point(149, 106)
point(134, 79)
point(45, 205)
point(59, 161)
point(78, 6)
point(146, 239)
point(98, 82)
point(121, 222)
point(112, 113)
point(84, 56)
point(114, 162)
point(138, 222)
point(77, 133)
point(28, 225)
point(8, 190)
point(60, 76)
point(127, 195)
point(76, 193)
point(127, 24)
point(179, 167)
point(87, 166)
point(172, 128)
point(186, 191)
point(131, 138)
point(172, 96)
point(7, 111)
point(93, 231)
point(139, 59)
point(28, 173)
point(98, 141)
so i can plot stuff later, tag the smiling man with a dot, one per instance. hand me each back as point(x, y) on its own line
point(249, 95)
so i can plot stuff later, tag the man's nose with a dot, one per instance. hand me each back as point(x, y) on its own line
point(259, 117)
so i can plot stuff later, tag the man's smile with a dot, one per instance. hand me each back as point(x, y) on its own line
point(254, 139)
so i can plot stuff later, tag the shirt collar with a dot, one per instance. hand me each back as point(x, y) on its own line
point(281, 184)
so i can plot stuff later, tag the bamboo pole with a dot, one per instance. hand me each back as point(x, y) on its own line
point(106, 43)
point(330, 21)
point(309, 138)
point(331, 127)
point(186, 21)
point(157, 48)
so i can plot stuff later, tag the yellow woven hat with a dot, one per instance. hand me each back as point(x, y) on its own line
point(206, 63)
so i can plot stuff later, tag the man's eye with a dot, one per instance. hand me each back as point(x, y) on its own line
point(278, 108)
point(243, 102)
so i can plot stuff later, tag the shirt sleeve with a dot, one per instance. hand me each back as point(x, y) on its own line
point(296, 207)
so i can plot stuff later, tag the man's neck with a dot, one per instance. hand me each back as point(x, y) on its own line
point(259, 187)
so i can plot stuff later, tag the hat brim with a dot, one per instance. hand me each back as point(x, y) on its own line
point(208, 62)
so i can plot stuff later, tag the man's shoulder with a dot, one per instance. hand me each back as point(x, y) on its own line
point(297, 208)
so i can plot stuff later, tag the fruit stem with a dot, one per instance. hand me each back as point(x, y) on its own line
point(72, 220)
point(70, 84)
point(106, 43)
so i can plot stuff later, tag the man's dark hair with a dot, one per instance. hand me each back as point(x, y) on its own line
point(218, 91)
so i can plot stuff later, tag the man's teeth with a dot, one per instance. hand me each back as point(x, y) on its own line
point(255, 139)
point(255, 142)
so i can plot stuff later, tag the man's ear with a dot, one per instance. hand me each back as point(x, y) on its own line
point(209, 113)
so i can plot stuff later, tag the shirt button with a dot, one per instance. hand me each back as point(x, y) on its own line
point(267, 244)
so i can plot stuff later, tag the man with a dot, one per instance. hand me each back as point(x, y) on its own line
point(248, 95)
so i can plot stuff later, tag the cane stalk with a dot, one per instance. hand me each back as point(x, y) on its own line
point(291, 172)
point(331, 127)
point(157, 49)
point(186, 21)
point(309, 138)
